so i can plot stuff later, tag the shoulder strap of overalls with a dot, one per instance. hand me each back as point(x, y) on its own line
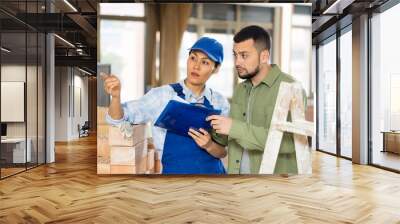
point(178, 89)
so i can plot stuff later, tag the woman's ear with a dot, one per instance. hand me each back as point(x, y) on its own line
point(216, 69)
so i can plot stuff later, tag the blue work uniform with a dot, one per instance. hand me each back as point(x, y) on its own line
point(183, 156)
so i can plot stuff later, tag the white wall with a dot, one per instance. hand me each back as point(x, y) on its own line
point(80, 83)
point(33, 126)
point(61, 103)
point(16, 73)
point(67, 115)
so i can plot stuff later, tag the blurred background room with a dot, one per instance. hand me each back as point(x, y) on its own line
point(146, 45)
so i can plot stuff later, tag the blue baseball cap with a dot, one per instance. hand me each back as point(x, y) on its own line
point(211, 47)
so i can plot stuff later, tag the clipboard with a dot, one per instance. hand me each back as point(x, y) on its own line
point(178, 117)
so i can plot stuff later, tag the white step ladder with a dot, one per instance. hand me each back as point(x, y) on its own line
point(290, 98)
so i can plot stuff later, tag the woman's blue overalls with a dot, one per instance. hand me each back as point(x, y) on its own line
point(182, 155)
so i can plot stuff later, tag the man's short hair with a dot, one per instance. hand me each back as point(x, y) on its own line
point(260, 36)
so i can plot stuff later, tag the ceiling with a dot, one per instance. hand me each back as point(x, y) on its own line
point(72, 20)
point(330, 15)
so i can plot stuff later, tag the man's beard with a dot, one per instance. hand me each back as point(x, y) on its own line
point(250, 75)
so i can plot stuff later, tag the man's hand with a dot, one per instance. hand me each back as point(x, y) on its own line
point(112, 85)
point(221, 124)
point(202, 138)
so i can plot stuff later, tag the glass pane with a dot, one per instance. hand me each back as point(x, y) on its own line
point(122, 9)
point(116, 47)
point(310, 113)
point(394, 102)
point(31, 99)
point(190, 28)
point(13, 72)
point(188, 39)
point(303, 17)
point(385, 89)
point(32, 7)
point(41, 98)
point(18, 6)
point(226, 72)
point(194, 11)
point(327, 97)
point(8, 24)
point(346, 94)
point(301, 57)
point(257, 14)
point(302, 9)
point(219, 12)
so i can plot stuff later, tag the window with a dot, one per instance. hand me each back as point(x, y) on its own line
point(394, 102)
point(301, 57)
point(301, 47)
point(220, 21)
point(225, 74)
point(256, 14)
point(122, 9)
point(22, 75)
point(385, 87)
point(346, 93)
point(327, 96)
point(122, 46)
point(187, 41)
point(222, 12)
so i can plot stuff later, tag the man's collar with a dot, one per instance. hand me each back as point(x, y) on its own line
point(273, 74)
point(269, 80)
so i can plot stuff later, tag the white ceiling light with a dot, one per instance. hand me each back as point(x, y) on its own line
point(70, 5)
point(65, 41)
point(337, 7)
point(5, 50)
point(86, 72)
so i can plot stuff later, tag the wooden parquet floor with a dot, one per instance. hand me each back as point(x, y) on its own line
point(70, 191)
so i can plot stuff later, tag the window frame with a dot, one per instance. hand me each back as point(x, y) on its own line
point(335, 36)
point(122, 18)
point(379, 10)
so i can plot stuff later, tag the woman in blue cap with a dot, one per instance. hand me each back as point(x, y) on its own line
point(199, 154)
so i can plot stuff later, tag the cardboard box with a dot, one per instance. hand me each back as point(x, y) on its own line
point(117, 138)
point(123, 169)
point(102, 131)
point(150, 161)
point(117, 154)
point(157, 163)
point(139, 134)
point(103, 149)
point(141, 157)
point(122, 156)
point(103, 168)
point(101, 115)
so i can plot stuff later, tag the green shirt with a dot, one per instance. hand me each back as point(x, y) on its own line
point(251, 110)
